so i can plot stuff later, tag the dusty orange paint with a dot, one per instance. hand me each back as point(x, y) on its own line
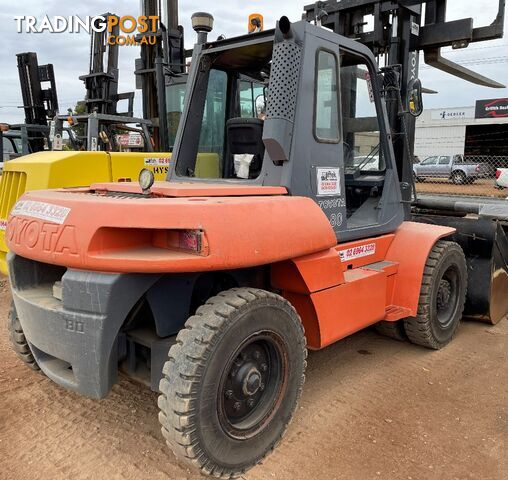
point(309, 274)
point(337, 289)
point(120, 234)
point(367, 291)
point(410, 249)
point(189, 189)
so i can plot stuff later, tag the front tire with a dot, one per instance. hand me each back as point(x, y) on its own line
point(18, 341)
point(442, 297)
point(232, 381)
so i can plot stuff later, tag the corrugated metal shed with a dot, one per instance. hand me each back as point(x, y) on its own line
point(442, 131)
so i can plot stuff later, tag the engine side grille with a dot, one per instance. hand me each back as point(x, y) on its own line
point(12, 186)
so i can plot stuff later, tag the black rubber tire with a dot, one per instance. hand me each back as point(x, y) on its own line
point(426, 329)
point(394, 330)
point(459, 178)
point(197, 365)
point(18, 341)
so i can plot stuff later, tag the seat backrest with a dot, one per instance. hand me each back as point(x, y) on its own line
point(245, 135)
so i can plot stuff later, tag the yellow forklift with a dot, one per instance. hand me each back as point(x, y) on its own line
point(55, 163)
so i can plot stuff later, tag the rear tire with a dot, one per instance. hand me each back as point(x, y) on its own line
point(442, 297)
point(232, 381)
point(18, 341)
point(459, 178)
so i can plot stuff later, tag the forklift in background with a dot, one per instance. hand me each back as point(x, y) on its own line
point(102, 129)
point(40, 105)
point(159, 67)
point(296, 243)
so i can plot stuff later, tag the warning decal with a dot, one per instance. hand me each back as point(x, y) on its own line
point(357, 252)
point(41, 210)
point(328, 181)
point(157, 162)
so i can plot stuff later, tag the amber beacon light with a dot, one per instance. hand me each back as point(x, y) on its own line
point(256, 23)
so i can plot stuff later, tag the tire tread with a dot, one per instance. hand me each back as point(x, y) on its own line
point(184, 369)
point(419, 329)
point(18, 341)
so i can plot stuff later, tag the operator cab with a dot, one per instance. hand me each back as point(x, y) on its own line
point(227, 105)
point(298, 107)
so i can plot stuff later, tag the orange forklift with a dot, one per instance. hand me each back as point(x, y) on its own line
point(211, 290)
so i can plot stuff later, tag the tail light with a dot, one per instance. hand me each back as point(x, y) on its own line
point(192, 241)
point(478, 168)
point(498, 173)
point(109, 240)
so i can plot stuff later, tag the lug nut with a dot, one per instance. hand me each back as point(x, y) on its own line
point(257, 355)
point(237, 406)
point(262, 387)
point(229, 393)
point(264, 367)
point(250, 402)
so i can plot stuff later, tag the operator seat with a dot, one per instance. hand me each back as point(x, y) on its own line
point(245, 135)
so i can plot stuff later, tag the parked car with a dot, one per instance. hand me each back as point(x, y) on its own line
point(451, 167)
point(367, 163)
point(502, 177)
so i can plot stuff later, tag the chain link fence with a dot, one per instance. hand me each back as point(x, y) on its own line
point(476, 175)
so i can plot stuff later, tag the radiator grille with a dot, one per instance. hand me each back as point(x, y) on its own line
point(12, 186)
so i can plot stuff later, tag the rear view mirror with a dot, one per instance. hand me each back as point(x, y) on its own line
point(415, 100)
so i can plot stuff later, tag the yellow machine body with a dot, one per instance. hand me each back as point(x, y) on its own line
point(46, 170)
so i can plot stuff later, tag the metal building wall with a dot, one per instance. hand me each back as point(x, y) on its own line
point(442, 140)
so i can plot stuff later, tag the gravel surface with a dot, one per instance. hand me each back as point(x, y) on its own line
point(372, 408)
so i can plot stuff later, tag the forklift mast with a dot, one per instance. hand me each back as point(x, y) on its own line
point(158, 63)
point(40, 104)
point(399, 32)
point(101, 82)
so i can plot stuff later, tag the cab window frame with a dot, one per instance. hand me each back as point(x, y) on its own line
point(318, 138)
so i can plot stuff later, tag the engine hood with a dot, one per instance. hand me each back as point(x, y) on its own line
point(114, 228)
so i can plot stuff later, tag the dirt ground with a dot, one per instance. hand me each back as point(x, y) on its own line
point(483, 187)
point(372, 408)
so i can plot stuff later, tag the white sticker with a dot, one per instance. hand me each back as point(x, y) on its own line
point(157, 162)
point(58, 143)
point(415, 28)
point(328, 181)
point(357, 252)
point(3, 225)
point(52, 129)
point(41, 210)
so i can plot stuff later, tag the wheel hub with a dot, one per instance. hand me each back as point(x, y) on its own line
point(245, 384)
point(252, 382)
point(443, 294)
point(447, 297)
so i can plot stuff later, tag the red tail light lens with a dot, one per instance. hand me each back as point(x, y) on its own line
point(498, 173)
point(192, 241)
point(478, 168)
